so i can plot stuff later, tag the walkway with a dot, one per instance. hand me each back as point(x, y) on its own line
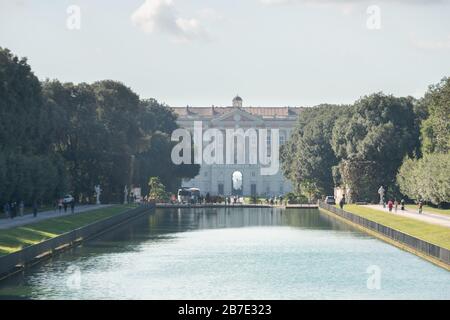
point(428, 217)
point(29, 219)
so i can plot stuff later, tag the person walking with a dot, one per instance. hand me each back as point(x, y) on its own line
point(395, 205)
point(60, 205)
point(65, 207)
point(13, 210)
point(402, 205)
point(390, 205)
point(35, 209)
point(72, 206)
point(7, 210)
point(342, 202)
point(21, 208)
point(420, 206)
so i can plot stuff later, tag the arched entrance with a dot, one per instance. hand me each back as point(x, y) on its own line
point(237, 183)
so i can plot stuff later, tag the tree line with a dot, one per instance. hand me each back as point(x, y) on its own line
point(401, 143)
point(59, 138)
point(428, 177)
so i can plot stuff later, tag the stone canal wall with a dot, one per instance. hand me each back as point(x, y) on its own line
point(417, 245)
point(17, 260)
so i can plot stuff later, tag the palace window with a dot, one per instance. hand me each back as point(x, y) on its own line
point(220, 188)
point(282, 139)
point(253, 189)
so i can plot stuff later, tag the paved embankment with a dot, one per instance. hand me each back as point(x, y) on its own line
point(425, 216)
point(432, 252)
point(8, 223)
point(45, 248)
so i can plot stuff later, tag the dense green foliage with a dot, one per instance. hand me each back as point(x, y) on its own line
point(371, 139)
point(359, 146)
point(363, 146)
point(436, 127)
point(29, 167)
point(428, 178)
point(63, 137)
point(308, 156)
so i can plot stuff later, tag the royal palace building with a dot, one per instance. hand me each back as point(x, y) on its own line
point(240, 179)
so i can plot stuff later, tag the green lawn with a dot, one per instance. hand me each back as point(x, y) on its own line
point(14, 239)
point(414, 207)
point(432, 233)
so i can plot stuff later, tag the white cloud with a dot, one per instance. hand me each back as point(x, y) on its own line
point(162, 16)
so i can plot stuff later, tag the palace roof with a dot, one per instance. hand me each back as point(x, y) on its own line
point(264, 112)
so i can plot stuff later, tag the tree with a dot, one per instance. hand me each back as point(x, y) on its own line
point(427, 178)
point(307, 158)
point(108, 136)
point(436, 128)
point(64, 137)
point(361, 179)
point(157, 190)
point(29, 166)
point(378, 131)
point(158, 122)
point(79, 137)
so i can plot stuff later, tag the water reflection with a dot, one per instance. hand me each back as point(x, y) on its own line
point(236, 253)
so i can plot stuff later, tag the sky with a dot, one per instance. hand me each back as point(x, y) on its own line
point(203, 53)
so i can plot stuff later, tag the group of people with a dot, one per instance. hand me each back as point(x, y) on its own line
point(393, 205)
point(14, 209)
point(61, 204)
point(275, 200)
point(208, 199)
point(228, 200)
point(232, 200)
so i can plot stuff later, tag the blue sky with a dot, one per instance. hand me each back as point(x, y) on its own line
point(271, 52)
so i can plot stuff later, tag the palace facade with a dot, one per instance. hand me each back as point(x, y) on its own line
point(239, 179)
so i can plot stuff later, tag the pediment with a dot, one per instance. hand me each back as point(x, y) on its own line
point(237, 115)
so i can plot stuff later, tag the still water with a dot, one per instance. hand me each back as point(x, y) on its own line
point(233, 254)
